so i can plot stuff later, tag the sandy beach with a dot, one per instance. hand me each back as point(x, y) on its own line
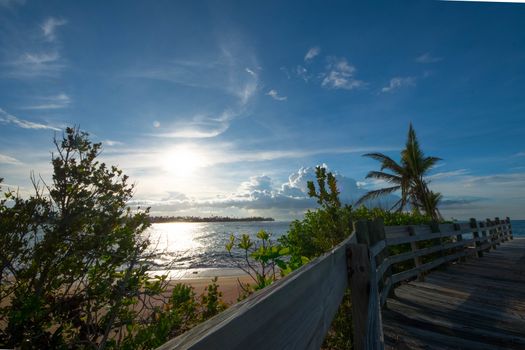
point(228, 285)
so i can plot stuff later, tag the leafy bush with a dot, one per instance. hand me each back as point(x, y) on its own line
point(74, 265)
point(321, 229)
point(263, 260)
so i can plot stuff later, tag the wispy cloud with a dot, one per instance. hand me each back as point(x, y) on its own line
point(275, 95)
point(231, 74)
point(11, 3)
point(5, 159)
point(302, 73)
point(49, 27)
point(340, 75)
point(251, 72)
point(312, 53)
point(111, 143)
point(7, 118)
point(449, 174)
point(428, 58)
point(51, 102)
point(201, 126)
point(29, 65)
point(399, 82)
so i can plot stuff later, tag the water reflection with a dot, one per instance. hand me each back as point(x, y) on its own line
point(201, 245)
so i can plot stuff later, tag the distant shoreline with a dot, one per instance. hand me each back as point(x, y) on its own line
point(167, 219)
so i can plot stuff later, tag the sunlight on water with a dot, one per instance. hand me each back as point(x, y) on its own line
point(182, 246)
point(177, 236)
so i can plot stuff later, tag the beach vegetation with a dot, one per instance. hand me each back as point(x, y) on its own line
point(74, 262)
point(263, 259)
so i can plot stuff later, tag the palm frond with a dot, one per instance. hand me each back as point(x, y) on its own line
point(377, 193)
point(386, 162)
point(384, 176)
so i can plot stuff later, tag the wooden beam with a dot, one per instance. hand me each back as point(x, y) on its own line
point(510, 228)
point(475, 234)
point(359, 280)
point(413, 248)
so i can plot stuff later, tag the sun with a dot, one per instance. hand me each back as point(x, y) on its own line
point(182, 161)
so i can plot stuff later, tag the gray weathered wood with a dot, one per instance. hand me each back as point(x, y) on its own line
point(492, 234)
point(414, 248)
point(360, 285)
point(293, 313)
point(475, 234)
point(394, 259)
point(296, 312)
point(510, 228)
point(479, 304)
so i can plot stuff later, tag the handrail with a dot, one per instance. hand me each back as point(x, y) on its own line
point(296, 311)
point(292, 313)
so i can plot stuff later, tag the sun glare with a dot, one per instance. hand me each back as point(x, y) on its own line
point(182, 162)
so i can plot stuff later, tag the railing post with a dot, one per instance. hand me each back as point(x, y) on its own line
point(484, 235)
point(510, 228)
point(475, 235)
point(376, 231)
point(414, 247)
point(491, 234)
point(366, 312)
point(459, 237)
point(499, 233)
point(504, 233)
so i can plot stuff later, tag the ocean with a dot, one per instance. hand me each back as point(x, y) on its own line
point(193, 250)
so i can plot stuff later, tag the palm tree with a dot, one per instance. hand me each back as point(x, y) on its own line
point(433, 200)
point(407, 177)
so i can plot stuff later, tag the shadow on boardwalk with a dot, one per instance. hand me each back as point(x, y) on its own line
point(478, 304)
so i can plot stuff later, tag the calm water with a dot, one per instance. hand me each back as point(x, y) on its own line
point(192, 249)
point(518, 227)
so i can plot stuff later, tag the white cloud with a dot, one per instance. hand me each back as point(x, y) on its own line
point(275, 95)
point(51, 102)
point(260, 193)
point(251, 72)
point(29, 65)
point(200, 126)
point(312, 53)
point(11, 3)
point(111, 143)
point(302, 73)
point(448, 174)
point(228, 75)
point(5, 159)
point(7, 118)
point(398, 82)
point(339, 74)
point(428, 58)
point(49, 27)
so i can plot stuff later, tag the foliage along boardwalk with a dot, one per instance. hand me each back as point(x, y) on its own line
point(477, 304)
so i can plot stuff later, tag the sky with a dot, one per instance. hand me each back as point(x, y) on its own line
point(226, 107)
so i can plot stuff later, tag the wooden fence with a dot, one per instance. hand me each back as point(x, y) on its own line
point(296, 311)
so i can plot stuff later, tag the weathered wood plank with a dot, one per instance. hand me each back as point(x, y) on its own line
point(396, 231)
point(395, 259)
point(360, 286)
point(476, 304)
point(293, 313)
point(417, 238)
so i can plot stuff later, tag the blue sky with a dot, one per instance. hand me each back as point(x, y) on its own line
point(225, 107)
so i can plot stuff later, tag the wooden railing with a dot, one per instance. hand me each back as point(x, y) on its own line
point(296, 311)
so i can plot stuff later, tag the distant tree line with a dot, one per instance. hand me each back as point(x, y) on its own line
point(161, 219)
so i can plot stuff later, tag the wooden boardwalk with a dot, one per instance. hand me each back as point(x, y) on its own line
point(477, 304)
